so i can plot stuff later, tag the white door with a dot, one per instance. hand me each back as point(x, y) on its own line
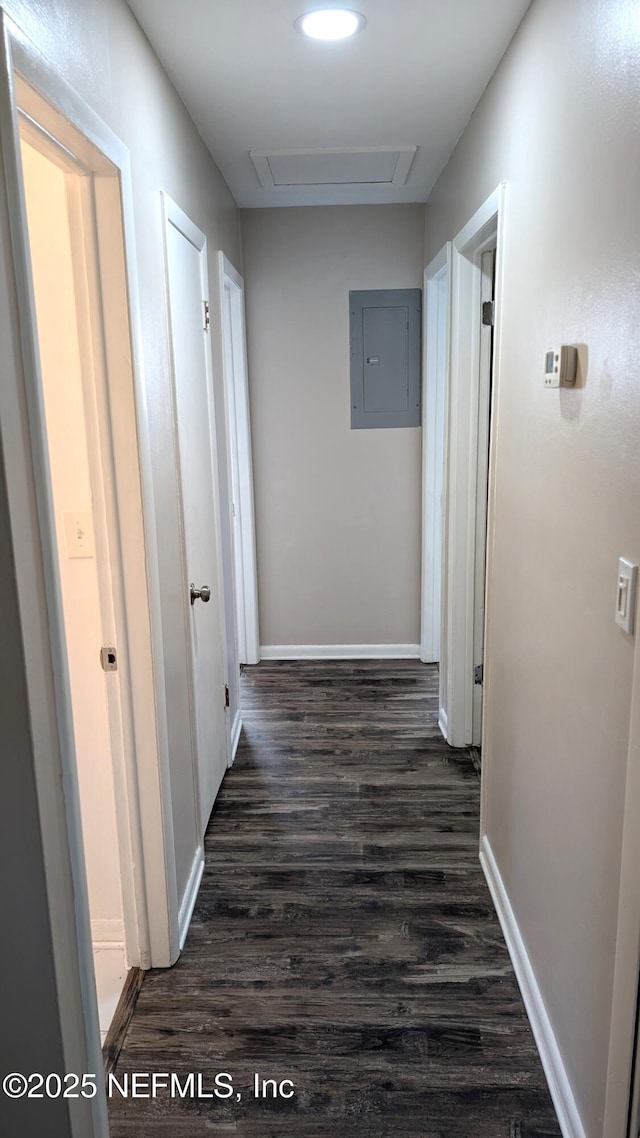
point(482, 488)
point(436, 366)
point(187, 286)
point(230, 369)
point(240, 463)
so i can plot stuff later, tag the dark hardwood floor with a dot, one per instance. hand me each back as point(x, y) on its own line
point(344, 937)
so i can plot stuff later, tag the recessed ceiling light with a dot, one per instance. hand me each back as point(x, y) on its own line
point(330, 23)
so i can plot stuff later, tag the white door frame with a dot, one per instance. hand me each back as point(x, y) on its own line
point(95, 290)
point(627, 960)
point(484, 230)
point(487, 263)
point(238, 425)
point(143, 781)
point(436, 343)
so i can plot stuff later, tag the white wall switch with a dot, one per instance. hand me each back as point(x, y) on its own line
point(78, 533)
point(626, 594)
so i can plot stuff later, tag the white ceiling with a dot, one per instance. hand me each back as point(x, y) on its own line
point(253, 83)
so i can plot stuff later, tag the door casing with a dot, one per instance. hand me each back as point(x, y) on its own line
point(436, 346)
point(626, 989)
point(484, 231)
point(487, 262)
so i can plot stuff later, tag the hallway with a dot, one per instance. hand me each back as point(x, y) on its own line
point(343, 937)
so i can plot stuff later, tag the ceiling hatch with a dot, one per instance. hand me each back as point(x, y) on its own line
point(370, 166)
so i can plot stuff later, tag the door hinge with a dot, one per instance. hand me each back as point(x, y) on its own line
point(227, 698)
point(207, 315)
point(478, 674)
point(489, 313)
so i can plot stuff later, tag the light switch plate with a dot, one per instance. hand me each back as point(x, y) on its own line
point(78, 533)
point(626, 594)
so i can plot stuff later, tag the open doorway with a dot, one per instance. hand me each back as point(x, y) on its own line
point(440, 419)
point(53, 203)
point(474, 310)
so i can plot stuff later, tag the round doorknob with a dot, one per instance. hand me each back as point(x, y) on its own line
point(203, 594)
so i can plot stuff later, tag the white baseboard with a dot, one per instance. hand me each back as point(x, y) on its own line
point(235, 734)
point(340, 651)
point(105, 930)
point(443, 723)
point(190, 894)
point(552, 1062)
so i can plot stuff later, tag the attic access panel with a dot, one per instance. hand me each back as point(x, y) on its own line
point(341, 166)
point(385, 327)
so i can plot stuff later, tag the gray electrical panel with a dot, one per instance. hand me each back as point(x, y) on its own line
point(385, 327)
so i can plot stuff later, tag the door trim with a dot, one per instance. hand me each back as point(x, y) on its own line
point(627, 959)
point(238, 425)
point(188, 902)
point(485, 355)
point(236, 730)
point(434, 395)
point(484, 230)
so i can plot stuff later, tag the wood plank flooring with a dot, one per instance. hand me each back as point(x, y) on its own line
point(344, 937)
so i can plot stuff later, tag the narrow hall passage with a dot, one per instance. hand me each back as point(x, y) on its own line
point(344, 937)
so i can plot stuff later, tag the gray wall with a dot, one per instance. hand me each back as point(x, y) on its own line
point(559, 122)
point(337, 511)
point(98, 46)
